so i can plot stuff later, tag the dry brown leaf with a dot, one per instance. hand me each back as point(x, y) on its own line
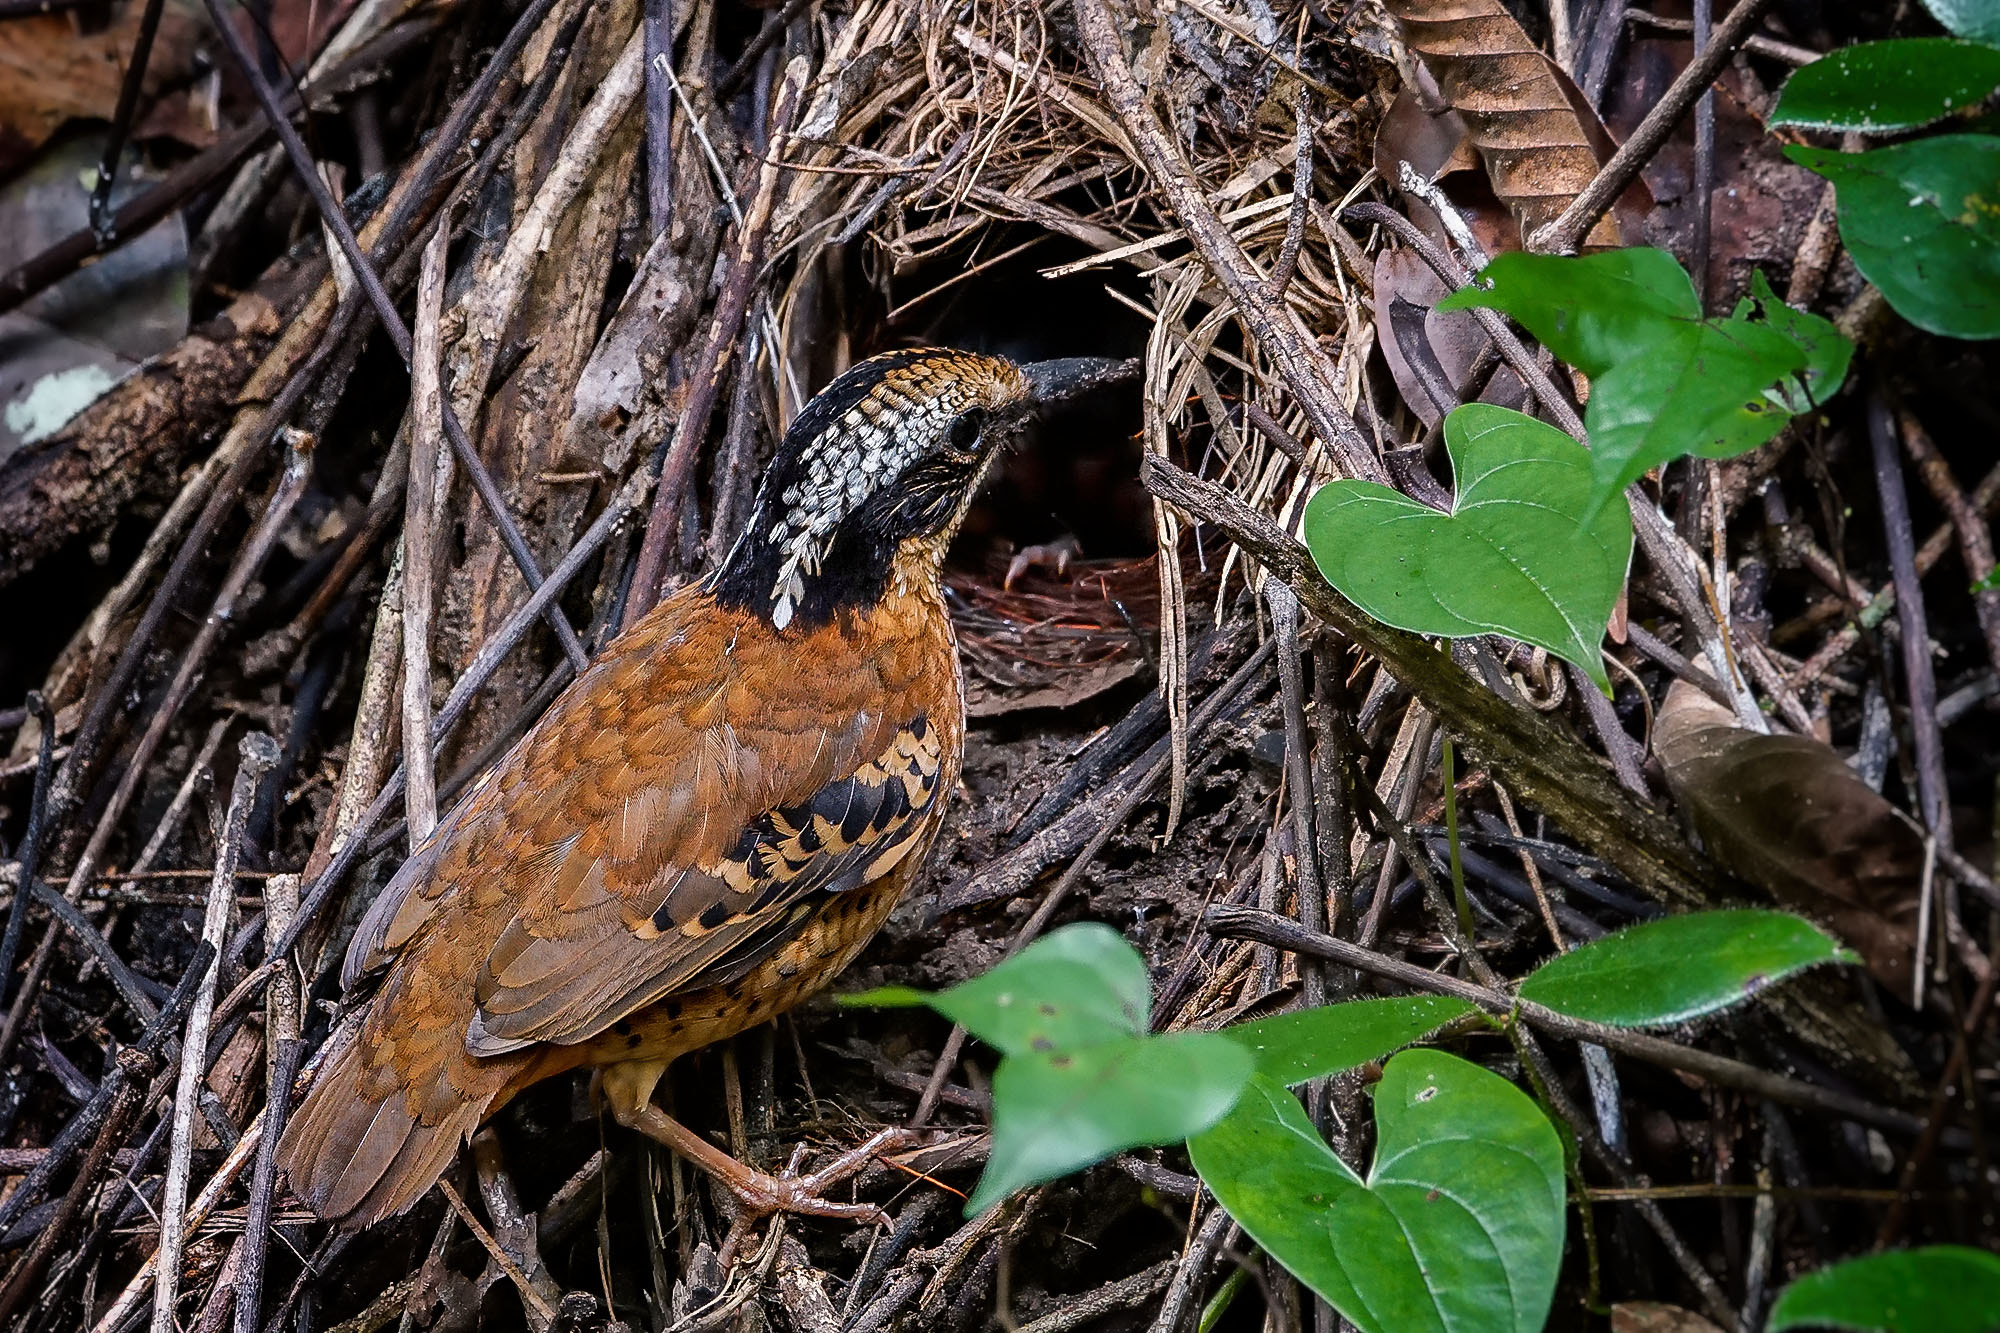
point(1787, 814)
point(50, 72)
point(1421, 130)
point(1430, 352)
point(1654, 1317)
point(1540, 142)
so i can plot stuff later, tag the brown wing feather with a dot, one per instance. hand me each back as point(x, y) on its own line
point(684, 809)
point(536, 987)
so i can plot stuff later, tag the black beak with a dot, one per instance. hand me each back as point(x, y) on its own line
point(1074, 376)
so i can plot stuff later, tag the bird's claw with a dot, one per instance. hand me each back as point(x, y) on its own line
point(762, 1194)
point(1053, 557)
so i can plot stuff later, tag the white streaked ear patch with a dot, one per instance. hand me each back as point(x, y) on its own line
point(870, 445)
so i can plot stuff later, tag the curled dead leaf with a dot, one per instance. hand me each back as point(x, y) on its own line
point(1539, 139)
point(1430, 352)
point(1787, 814)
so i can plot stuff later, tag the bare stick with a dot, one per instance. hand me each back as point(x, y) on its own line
point(659, 26)
point(121, 122)
point(1284, 933)
point(257, 755)
point(31, 837)
point(281, 1021)
point(1561, 236)
point(1918, 675)
point(1284, 604)
point(533, 1299)
point(430, 482)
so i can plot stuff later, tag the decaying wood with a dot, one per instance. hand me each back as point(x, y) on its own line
point(123, 452)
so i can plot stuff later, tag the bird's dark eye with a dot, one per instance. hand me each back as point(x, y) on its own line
point(965, 430)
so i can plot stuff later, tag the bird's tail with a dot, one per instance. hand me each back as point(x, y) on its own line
point(362, 1147)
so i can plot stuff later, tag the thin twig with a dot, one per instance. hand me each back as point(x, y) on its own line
point(1282, 932)
point(257, 755)
point(1918, 676)
point(541, 1308)
point(121, 122)
point(1561, 236)
point(31, 836)
point(658, 21)
point(282, 1051)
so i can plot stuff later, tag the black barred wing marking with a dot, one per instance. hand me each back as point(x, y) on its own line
point(720, 919)
point(850, 833)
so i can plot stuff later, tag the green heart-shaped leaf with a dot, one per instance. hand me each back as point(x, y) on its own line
point(1937, 1289)
point(1922, 220)
point(1703, 388)
point(1077, 986)
point(1525, 552)
point(1458, 1226)
point(1664, 381)
point(1312, 1043)
point(1900, 84)
point(1679, 967)
point(1058, 1112)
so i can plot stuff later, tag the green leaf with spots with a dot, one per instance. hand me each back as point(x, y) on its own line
point(1878, 87)
point(1058, 1112)
point(1528, 550)
point(1937, 1289)
point(1458, 1225)
point(1680, 967)
point(1074, 987)
point(1922, 221)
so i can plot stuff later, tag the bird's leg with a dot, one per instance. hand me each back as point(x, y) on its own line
point(761, 1193)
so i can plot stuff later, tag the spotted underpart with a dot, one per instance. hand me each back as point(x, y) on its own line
point(873, 426)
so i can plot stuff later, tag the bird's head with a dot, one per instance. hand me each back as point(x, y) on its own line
point(875, 475)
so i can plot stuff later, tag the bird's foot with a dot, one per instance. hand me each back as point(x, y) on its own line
point(759, 1193)
point(762, 1194)
point(1050, 557)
